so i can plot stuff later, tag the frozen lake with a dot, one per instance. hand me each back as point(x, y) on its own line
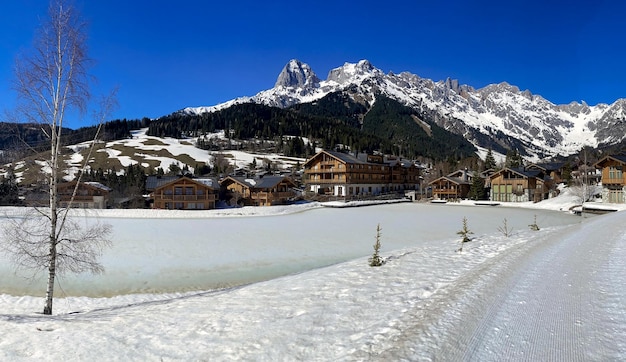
point(161, 255)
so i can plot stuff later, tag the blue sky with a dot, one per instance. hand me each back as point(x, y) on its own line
point(167, 55)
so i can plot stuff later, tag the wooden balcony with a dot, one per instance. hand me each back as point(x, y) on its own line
point(446, 191)
point(205, 197)
point(77, 198)
point(612, 181)
point(273, 195)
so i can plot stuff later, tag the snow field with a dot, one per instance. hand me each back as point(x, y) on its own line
point(553, 294)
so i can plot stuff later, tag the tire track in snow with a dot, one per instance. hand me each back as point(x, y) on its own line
point(559, 297)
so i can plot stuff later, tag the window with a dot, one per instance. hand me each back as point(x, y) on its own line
point(615, 172)
point(188, 190)
point(178, 190)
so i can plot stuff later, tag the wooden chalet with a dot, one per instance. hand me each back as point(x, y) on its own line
point(518, 185)
point(184, 193)
point(265, 191)
point(454, 186)
point(552, 171)
point(586, 174)
point(89, 195)
point(341, 175)
point(405, 175)
point(613, 178)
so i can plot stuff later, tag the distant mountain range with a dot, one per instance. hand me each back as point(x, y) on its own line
point(499, 116)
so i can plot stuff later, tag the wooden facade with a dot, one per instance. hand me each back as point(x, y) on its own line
point(265, 191)
point(341, 175)
point(518, 185)
point(613, 178)
point(453, 186)
point(89, 195)
point(185, 194)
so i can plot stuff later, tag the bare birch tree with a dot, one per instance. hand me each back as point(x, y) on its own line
point(52, 83)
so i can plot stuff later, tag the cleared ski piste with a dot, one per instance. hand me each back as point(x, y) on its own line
point(295, 285)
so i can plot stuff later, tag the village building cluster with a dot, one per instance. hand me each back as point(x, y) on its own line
point(332, 175)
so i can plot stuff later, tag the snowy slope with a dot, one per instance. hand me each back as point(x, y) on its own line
point(159, 152)
point(500, 111)
point(553, 294)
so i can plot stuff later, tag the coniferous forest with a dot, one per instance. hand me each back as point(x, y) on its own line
point(335, 121)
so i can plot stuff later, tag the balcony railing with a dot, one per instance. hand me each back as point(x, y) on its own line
point(272, 195)
point(612, 181)
point(445, 191)
point(80, 198)
point(165, 197)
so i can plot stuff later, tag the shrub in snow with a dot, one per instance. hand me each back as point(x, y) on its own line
point(376, 259)
point(505, 229)
point(534, 226)
point(465, 233)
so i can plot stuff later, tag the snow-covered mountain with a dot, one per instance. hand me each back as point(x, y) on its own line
point(499, 113)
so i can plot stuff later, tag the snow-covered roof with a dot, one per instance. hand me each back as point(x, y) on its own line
point(98, 185)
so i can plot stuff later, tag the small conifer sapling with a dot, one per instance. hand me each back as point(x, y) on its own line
point(376, 259)
point(465, 234)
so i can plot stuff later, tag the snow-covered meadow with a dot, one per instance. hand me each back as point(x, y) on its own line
point(295, 285)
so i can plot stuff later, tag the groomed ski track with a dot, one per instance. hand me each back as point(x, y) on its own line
point(560, 297)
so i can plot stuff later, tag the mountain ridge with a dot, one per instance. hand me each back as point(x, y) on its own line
point(497, 113)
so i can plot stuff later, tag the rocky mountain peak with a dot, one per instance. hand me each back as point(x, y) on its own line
point(497, 114)
point(350, 72)
point(297, 75)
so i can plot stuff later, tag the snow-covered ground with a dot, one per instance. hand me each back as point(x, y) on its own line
point(552, 294)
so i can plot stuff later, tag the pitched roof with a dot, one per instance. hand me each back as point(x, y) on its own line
point(244, 181)
point(620, 157)
point(536, 173)
point(455, 180)
point(98, 185)
point(265, 182)
point(347, 158)
point(92, 184)
point(460, 173)
point(152, 182)
point(204, 182)
point(547, 166)
point(270, 181)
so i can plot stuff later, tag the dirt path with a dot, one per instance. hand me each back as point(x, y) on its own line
point(561, 297)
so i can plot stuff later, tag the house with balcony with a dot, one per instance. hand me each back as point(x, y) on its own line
point(454, 186)
point(89, 195)
point(518, 185)
point(337, 175)
point(264, 191)
point(613, 178)
point(184, 193)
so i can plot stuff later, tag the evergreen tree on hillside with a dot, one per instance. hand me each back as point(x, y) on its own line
point(477, 189)
point(490, 161)
point(513, 159)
